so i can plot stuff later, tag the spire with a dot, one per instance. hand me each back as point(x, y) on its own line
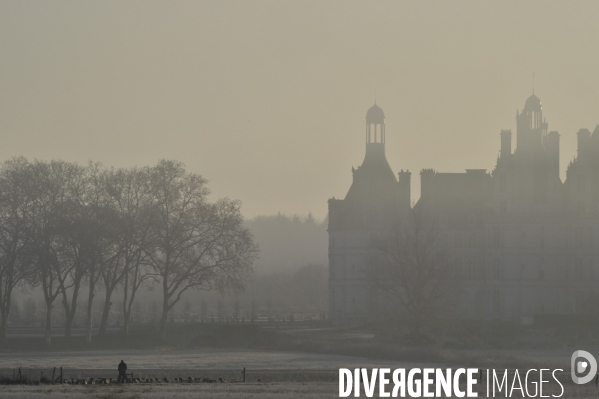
point(533, 83)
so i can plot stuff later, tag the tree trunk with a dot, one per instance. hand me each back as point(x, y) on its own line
point(71, 311)
point(126, 313)
point(5, 297)
point(88, 322)
point(126, 323)
point(68, 325)
point(48, 333)
point(105, 313)
point(163, 320)
point(3, 323)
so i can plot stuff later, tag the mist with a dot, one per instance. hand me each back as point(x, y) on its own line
point(287, 85)
point(254, 199)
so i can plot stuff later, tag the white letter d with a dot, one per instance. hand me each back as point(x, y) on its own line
point(345, 389)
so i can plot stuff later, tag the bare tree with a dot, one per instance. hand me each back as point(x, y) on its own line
point(194, 244)
point(91, 238)
point(413, 267)
point(101, 238)
point(48, 187)
point(14, 206)
point(130, 197)
point(76, 232)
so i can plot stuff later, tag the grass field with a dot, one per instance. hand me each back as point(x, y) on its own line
point(282, 374)
point(286, 390)
point(297, 364)
point(171, 391)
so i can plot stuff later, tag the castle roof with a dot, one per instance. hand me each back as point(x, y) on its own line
point(532, 103)
point(375, 115)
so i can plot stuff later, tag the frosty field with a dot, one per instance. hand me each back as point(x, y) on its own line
point(282, 374)
point(269, 374)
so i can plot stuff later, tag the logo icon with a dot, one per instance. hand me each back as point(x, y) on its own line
point(579, 366)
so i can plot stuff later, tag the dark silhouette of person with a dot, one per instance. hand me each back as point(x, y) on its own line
point(122, 372)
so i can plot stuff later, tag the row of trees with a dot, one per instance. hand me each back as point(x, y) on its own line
point(64, 227)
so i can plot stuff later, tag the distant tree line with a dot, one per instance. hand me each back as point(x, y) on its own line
point(64, 227)
point(289, 242)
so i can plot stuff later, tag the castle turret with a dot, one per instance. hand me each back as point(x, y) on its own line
point(531, 127)
point(373, 203)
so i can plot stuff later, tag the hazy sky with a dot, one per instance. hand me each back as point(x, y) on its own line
point(268, 99)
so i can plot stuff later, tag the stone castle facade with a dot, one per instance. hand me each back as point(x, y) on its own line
point(525, 243)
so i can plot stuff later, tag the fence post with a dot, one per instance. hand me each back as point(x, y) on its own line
point(244, 374)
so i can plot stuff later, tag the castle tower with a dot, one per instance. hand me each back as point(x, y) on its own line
point(375, 125)
point(374, 200)
point(531, 127)
point(528, 179)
